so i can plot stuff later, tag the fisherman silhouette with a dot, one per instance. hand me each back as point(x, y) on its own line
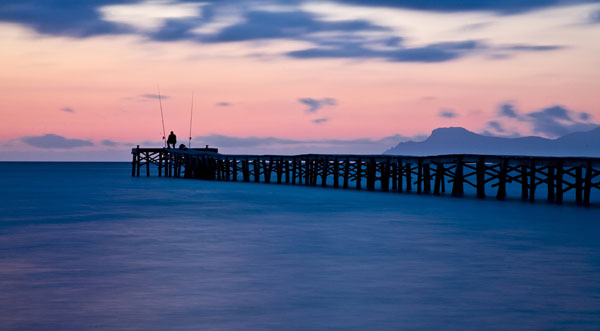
point(172, 140)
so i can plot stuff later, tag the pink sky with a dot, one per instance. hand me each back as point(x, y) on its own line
point(103, 78)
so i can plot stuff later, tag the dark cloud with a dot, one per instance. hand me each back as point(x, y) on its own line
point(331, 39)
point(530, 48)
point(447, 113)
point(585, 116)
point(508, 110)
point(556, 121)
point(72, 18)
point(315, 104)
point(223, 104)
point(109, 143)
point(67, 110)
point(285, 25)
point(501, 7)
point(55, 141)
point(438, 52)
point(320, 120)
point(553, 121)
point(77, 18)
point(154, 96)
point(595, 17)
point(496, 126)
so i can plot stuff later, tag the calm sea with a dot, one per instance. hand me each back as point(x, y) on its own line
point(85, 245)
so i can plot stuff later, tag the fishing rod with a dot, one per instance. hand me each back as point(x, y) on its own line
point(191, 117)
point(162, 117)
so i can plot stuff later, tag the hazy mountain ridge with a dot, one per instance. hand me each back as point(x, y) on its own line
point(457, 140)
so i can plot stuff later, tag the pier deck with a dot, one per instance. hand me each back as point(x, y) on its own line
point(487, 174)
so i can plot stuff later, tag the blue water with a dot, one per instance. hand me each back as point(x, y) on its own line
point(84, 245)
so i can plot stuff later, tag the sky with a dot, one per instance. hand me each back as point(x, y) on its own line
point(79, 80)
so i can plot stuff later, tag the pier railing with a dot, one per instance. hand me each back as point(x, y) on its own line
point(485, 174)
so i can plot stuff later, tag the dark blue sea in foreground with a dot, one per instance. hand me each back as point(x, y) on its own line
point(86, 246)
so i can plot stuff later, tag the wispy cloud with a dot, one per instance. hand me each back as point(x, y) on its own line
point(55, 141)
point(447, 113)
point(315, 104)
point(496, 126)
point(68, 110)
point(320, 120)
point(154, 96)
point(223, 104)
point(552, 121)
point(109, 143)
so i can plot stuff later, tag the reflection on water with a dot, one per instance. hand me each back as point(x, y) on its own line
point(85, 245)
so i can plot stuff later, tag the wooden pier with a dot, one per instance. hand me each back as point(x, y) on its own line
point(488, 175)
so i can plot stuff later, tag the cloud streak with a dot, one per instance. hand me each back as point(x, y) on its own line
point(552, 121)
point(339, 39)
point(447, 113)
point(315, 105)
point(154, 96)
point(55, 141)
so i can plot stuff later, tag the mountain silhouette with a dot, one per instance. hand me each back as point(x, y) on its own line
point(457, 140)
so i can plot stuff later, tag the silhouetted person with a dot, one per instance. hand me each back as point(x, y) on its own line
point(182, 146)
point(172, 140)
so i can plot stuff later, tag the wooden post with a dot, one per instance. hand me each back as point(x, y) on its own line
point(358, 173)
point(279, 170)
point(235, 169)
point(501, 195)
point(315, 171)
point(524, 186)
point(419, 176)
point(400, 175)
point(325, 171)
point(160, 163)
point(559, 183)
point(266, 168)
point(371, 169)
point(134, 161)
point(426, 178)
point(147, 164)
point(578, 185)
point(457, 184)
point(385, 175)
point(346, 171)
point(294, 164)
point(407, 173)
point(256, 168)
point(336, 172)
point(246, 170)
point(287, 170)
point(394, 166)
point(220, 172)
point(587, 188)
point(480, 178)
point(532, 183)
point(307, 171)
point(439, 178)
point(550, 183)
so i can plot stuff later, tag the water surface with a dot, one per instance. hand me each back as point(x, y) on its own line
point(85, 245)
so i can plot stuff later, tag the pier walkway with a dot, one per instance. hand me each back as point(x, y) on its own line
point(486, 174)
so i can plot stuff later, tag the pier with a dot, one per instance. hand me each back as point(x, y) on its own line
point(488, 175)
